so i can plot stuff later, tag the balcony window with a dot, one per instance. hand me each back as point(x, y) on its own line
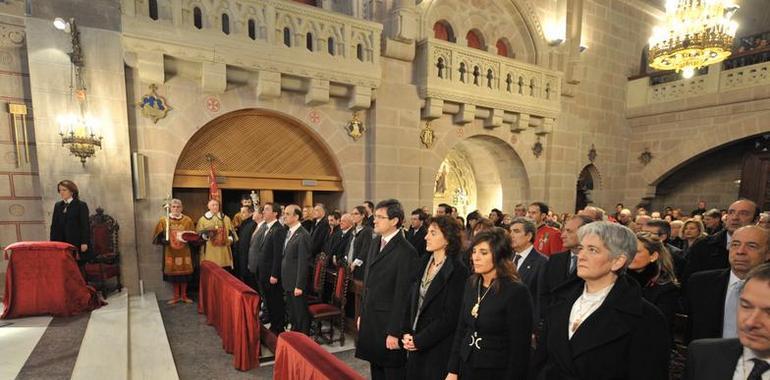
point(153, 9)
point(443, 31)
point(252, 29)
point(330, 46)
point(504, 48)
point(287, 37)
point(360, 52)
point(225, 23)
point(309, 41)
point(475, 39)
point(197, 17)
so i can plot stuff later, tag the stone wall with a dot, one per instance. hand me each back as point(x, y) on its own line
point(710, 178)
point(21, 214)
point(163, 142)
point(105, 180)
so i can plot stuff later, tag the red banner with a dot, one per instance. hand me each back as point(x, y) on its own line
point(213, 188)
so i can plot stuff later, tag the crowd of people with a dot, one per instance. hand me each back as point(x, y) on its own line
point(530, 295)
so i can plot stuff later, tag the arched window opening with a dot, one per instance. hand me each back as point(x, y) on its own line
point(225, 23)
point(252, 29)
point(198, 17)
point(490, 78)
point(360, 52)
point(476, 74)
point(440, 66)
point(462, 72)
point(502, 48)
point(508, 83)
point(532, 87)
point(330, 46)
point(153, 9)
point(287, 37)
point(475, 39)
point(309, 41)
point(443, 31)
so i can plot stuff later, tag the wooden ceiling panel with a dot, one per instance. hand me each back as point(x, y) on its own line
point(258, 142)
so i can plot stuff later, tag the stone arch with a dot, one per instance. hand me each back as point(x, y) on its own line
point(588, 181)
point(533, 43)
point(230, 139)
point(694, 147)
point(501, 175)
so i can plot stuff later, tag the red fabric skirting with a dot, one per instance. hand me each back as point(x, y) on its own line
point(231, 307)
point(297, 357)
point(43, 278)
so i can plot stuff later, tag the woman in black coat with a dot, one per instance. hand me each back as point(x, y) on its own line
point(494, 329)
point(653, 269)
point(435, 302)
point(599, 326)
point(69, 223)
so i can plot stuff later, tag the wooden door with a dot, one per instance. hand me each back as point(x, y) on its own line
point(755, 179)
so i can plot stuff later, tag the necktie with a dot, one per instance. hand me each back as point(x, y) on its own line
point(760, 367)
point(729, 326)
point(259, 230)
point(288, 236)
point(516, 260)
point(572, 263)
point(382, 243)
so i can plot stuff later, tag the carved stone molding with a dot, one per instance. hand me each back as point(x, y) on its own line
point(12, 36)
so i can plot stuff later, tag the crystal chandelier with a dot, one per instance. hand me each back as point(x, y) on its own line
point(78, 130)
point(695, 33)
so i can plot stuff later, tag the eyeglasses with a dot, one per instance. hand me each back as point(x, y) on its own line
point(381, 217)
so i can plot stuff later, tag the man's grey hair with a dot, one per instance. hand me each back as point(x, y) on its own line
point(175, 201)
point(528, 224)
point(618, 239)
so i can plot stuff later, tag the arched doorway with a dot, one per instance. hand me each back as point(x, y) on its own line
point(481, 173)
point(587, 182)
point(260, 150)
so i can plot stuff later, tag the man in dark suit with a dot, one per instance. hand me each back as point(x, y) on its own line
point(369, 217)
point(246, 229)
point(417, 232)
point(268, 248)
point(294, 270)
point(340, 240)
point(662, 229)
point(528, 261)
point(747, 357)
point(711, 297)
point(711, 252)
point(320, 231)
point(386, 284)
point(562, 267)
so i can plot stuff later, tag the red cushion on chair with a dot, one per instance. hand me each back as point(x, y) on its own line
point(102, 241)
point(323, 310)
point(339, 287)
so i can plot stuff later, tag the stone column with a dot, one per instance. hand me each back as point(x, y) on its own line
point(105, 181)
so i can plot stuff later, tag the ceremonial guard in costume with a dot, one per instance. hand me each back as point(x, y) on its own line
point(174, 231)
point(217, 230)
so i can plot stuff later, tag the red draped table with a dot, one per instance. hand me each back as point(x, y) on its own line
point(43, 278)
point(298, 357)
point(231, 307)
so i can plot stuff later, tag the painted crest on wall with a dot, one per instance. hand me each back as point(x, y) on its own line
point(153, 106)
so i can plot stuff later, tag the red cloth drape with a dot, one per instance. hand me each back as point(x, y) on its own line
point(43, 278)
point(297, 357)
point(231, 307)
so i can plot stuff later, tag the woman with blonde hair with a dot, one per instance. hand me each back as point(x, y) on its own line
point(692, 231)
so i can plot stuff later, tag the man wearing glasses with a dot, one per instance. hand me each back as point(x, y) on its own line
point(386, 284)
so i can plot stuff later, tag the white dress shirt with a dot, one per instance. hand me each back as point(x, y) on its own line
point(523, 255)
point(744, 366)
